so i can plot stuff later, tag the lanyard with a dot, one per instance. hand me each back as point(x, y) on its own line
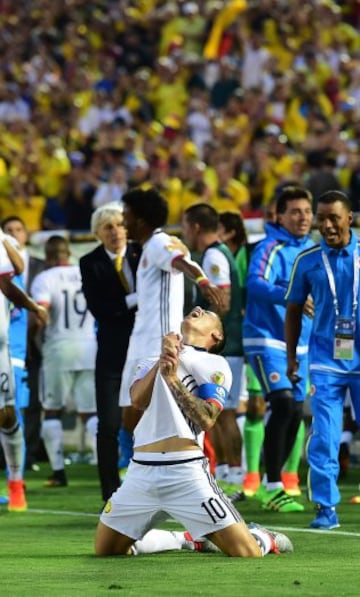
point(331, 279)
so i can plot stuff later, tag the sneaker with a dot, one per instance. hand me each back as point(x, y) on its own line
point(326, 518)
point(56, 480)
point(281, 543)
point(17, 499)
point(279, 501)
point(355, 499)
point(237, 496)
point(251, 484)
point(204, 545)
point(291, 483)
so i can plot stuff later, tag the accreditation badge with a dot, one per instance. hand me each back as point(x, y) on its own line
point(344, 340)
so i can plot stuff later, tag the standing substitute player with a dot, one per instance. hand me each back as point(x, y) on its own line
point(69, 349)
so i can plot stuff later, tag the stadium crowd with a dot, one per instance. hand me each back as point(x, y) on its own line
point(210, 101)
point(218, 102)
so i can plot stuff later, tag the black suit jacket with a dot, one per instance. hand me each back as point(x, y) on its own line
point(36, 266)
point(105, 296)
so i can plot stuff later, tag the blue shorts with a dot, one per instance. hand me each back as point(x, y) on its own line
point(270, 369)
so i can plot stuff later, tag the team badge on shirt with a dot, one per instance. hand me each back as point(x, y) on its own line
point(107, 508)
point(274, 377)
point(218, 377)
point(215, 270)
point(144, 262)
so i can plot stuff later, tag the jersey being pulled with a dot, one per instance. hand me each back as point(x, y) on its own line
point(69, 338)
point(205, 375)
point(160, 291)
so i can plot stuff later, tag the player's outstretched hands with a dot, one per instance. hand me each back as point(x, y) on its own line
point(170, 349)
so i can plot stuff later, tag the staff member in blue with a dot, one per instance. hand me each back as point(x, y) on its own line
point(329, 272)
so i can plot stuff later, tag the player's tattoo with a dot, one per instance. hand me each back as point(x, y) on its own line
point(200, 412)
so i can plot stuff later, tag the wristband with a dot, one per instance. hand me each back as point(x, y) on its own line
point(202, 281)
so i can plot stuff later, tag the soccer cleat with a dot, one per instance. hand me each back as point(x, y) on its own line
point(251, 484)
point(279, 501)
point(280, 542)
point(355, 499)
point(203, 545)
point(326, 518)
point(17, 499)
point(291, 483)
point(237, 496)
point(56, 480)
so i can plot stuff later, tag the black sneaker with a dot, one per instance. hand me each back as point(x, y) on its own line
point(57, 479)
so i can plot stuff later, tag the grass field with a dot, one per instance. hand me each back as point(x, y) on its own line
point(48, 552)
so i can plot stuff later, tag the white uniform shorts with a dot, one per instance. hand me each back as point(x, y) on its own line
point(72, 389)
point(184, 491)
point(7, 391)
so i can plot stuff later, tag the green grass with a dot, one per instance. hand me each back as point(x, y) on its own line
point(48, 552)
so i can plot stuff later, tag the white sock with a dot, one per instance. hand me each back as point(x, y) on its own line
point(346, 437)
point(221, 471)
point(91, 427)
point(52, 434)
point(263, 539)
point(13, 445)
point(235, 475)
point(240, 421)
point(156, 540)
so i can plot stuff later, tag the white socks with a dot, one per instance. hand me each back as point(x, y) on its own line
point(221, 472)
point(263, 539)
point(52, 434)
point(13, 445)
point(91, 427)
point(157, 540)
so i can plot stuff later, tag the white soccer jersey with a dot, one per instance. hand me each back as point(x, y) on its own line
point(216, 267)
point(205, 375)
point(6, 268)
point(160, 291)
point(69, 339)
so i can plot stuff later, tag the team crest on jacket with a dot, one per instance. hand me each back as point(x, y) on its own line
point(274, 376)
point(215, 270)
point(144, 262)
point(218, 378)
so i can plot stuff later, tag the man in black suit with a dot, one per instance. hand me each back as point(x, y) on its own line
point(111, 299)
point(35, 451)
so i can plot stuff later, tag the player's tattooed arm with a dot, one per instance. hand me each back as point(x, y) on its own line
point(200, 412)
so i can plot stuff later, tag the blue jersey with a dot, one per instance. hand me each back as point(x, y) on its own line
point(309, 277)
point(267, 282)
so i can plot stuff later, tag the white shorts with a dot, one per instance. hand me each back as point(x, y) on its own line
point(7, 391)
point(72, 389)
point(238, 387)
point(186, 492)
point(126, 381)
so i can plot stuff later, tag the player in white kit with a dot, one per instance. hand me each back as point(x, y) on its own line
point(159, 280)
point(11, 435)
point(181, 394)
point(69, 349)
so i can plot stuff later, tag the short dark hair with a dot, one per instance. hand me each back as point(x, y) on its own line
point(55, 243)
point(233, 222)
point(203, 214)
point(147, 204)
point(12, 219)
point(333, 196)
point(291, 193)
